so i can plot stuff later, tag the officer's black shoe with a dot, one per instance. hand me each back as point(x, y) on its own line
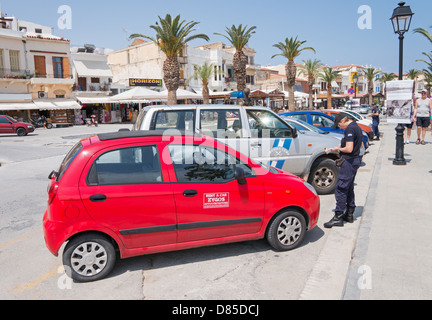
point(336, 221)
point(349, 215)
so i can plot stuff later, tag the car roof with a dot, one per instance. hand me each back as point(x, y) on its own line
point(300, 112)
point(203, 106)
point(126, 134)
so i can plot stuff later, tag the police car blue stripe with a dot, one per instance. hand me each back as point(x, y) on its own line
point(280, 164)
point(287, 144)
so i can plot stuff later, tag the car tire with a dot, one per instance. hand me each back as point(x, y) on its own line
point(323, 176)
point(286, 231)
point(21, 132)
point(89, 257)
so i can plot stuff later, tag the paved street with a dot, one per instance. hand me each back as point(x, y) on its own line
point(383, 255)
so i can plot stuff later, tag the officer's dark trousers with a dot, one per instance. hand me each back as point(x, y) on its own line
point(375, 128)
point(345, 184)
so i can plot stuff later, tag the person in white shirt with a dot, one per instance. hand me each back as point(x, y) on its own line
point(421, 116)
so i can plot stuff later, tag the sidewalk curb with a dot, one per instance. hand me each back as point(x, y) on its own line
point(352, 289)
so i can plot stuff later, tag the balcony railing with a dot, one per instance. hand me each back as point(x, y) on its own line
point(15, 74)
point(26, 74)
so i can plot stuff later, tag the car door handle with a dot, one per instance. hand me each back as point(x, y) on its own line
point(256, 144)
point(98, 198)
point(190, 193)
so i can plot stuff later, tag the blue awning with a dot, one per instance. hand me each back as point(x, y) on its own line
point(237, 95)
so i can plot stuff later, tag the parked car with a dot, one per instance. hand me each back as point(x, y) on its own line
point(12, 126)
point(363, 124)
point(322, 121)
point(360, 118)
point(303, 126)
point(365, 109)
point(136, 193)
point(255, 131)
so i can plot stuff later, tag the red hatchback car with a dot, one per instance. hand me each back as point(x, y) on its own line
point(11, 126)
point(133, 193)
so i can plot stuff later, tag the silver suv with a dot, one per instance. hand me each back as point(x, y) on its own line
point(256, 132)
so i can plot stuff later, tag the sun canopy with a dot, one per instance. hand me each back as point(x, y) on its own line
point(183, 95)
point(139, 93)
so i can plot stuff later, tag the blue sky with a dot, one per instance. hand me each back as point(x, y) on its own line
point(331, 27)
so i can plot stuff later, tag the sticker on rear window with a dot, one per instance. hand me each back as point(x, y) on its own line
point(216, 200)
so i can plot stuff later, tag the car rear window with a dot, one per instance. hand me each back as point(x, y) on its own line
point(179, 120)
point(126, 166)
point(68, 160)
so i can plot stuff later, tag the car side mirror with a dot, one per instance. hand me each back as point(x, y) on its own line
point(294, 132)
point(240, 176)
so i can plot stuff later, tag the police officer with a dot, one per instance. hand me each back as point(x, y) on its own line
point(349, 150)
point(375, 120)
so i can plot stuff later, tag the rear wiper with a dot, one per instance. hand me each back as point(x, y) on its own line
point(53, 174)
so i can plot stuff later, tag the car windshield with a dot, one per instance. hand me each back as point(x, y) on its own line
point(268, 168)
point(68, 160)
point(354, 114)
point(301, 125)
point(11, 119)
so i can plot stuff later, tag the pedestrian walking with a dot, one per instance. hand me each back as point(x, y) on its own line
point(349, 163)
point(408, 127)
point(375, 120)
point(422, 112)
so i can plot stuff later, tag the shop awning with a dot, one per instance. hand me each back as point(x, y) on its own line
point(139, 93)
point(92, 68)
point(18, 106)
point(96, 100)
point(56, 104)
point(15, 97)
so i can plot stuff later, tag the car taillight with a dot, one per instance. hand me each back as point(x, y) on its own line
point(52, 191)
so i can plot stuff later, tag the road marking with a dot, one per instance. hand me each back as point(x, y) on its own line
point(20, 239)
point(37, 281)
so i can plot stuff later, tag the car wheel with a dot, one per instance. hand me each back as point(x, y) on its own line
point(21, 132)
point(323, 176)
point(286, 231)
point(89, 258)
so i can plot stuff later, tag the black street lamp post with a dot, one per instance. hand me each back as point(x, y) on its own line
point(401, 20)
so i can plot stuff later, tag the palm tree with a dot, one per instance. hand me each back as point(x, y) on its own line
point(413, 74)
point(239, 38)
point(425, 33)
point(311, 69)
point(429, 56)
point(329, 75)
point(370, 74)
point(171, 37)
point(290, 50)
point(385, 78)
point(204, 72)
point(428, 79)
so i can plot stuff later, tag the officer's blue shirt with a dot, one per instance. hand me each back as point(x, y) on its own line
point(375, 118)
point(353, 133)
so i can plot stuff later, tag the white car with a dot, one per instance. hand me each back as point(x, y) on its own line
point(256, 132)
point(360, 118)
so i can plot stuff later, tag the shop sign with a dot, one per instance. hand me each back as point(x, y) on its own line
point(145, 82)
